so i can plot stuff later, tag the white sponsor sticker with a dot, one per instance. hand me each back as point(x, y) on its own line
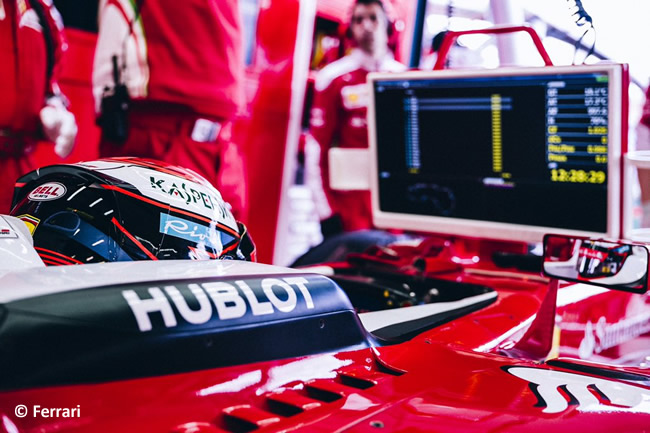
point(356, 96)
point(205, 131)
point(584, 389)
point(5, 230)
point(230, 301)
point(47, 191)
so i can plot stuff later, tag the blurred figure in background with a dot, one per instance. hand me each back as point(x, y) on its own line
point(429, 61)
point(643, 143)
point(33, 108)
point(338, 116)
point(168, 81)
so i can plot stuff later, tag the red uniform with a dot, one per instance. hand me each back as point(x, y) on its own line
point(338, 118)
point(183, 66)
point(643, 130)
point(645, 117)
point(30, 48)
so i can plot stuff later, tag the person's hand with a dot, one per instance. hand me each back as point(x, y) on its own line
point(59, 126)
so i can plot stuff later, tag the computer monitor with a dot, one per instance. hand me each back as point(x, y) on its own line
point(507, 153)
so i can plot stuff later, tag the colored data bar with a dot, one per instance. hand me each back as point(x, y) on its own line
point(414, 105)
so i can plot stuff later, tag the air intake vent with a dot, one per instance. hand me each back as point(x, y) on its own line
point(278, 407)
point(327, 390)
point(197, 427)
point(245, 418)
point(359, 377)
point(290, 402)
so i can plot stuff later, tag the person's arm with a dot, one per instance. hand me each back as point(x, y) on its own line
point(59, 124)
point(643, 143)
point(324, 124)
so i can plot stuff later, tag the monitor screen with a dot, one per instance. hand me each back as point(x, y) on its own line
point(504, 153)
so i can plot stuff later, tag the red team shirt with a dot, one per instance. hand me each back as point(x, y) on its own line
point(23, 55)
point(181, 61)
point(24, 84)
point(186, 52)
point(338, 118)
point(643, 128)
point(645, 117)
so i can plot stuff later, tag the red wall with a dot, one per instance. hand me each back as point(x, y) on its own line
point(263, 134)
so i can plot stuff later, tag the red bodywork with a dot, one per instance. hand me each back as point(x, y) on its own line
point(469, 374)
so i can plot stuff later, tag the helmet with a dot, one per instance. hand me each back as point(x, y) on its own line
point(122, 209)
point(601, 259)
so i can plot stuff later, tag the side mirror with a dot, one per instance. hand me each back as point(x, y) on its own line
point(611, 264)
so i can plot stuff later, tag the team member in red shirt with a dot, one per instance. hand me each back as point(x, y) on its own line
point(643, 143)
point(32, 108)
point(338, 115)
point(182, 64)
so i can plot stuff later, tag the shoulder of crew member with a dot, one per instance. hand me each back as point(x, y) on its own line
point(334, 70)
point(389, 64)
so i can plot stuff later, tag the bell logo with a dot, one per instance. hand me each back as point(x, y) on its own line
point(47, 191)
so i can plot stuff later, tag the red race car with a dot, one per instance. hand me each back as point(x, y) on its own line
point(234, 346)
point(445, 333)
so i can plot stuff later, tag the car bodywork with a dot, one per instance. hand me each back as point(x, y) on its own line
point(424, 336)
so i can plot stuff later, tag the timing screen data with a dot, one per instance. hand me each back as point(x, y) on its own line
point(576, 131)
point(467, 147)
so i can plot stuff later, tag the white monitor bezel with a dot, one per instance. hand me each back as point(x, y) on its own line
point(498, 230)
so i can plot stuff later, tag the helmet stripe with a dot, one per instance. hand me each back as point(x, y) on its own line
point(172, 208)
point(55, 254)
point(50, 260)
point(133, 239)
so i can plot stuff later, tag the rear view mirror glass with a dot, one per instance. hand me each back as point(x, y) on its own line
point(615, 265)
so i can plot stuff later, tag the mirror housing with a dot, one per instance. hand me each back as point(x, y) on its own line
point(605, 263)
